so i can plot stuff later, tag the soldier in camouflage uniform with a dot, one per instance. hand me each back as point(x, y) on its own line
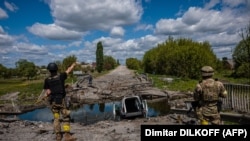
point(207, 93)
point(55, 90)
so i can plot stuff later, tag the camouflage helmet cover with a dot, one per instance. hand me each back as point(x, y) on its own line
point(207, 71)
point(52, 67)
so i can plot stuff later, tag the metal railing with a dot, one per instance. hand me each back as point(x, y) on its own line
point(238, 98)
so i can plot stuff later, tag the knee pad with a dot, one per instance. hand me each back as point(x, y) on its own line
point(56, 115)
point(66, 127)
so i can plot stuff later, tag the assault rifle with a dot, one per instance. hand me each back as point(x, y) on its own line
point(196, 104)
point(41, 100)
point(219, 105)
point(41, 97)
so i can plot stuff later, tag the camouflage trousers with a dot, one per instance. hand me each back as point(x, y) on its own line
point(209, 114)
point(60, 113)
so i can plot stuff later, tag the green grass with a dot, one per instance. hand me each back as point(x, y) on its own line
point(225, 77)
point(185, 85)
point(31, 89)
point(27, 89)
point(12, 85)
point(178, 84)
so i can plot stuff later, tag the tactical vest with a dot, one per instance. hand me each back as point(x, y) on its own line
point(210, 90)
point(56, 88)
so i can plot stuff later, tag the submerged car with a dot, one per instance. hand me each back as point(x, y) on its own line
point(130, 107)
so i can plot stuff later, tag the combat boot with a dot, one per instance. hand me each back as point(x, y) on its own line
point(69, 137)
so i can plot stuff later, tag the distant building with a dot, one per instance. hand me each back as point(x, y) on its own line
point(228, 64)
point(88, 65)
point(77, 72)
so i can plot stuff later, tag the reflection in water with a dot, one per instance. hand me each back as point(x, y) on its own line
point(43, 114)
point(159, 108)
point(90, 113)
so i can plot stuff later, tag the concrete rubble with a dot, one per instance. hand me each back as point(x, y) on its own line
point(115, 85)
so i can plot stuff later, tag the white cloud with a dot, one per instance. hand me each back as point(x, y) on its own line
point(29, 49)
point(198, 20)
point(121, 49)
point(54, 32)
point(219, 27)
point(10, 6)
point(3, 14)
point(117, 31)
point(170, 26)
point(211, 4)
point(73, 18)
point(5, 40)
point(15, 51)
point(1, 30)
point(75, 44)
point(92, 14)
point(144, 27)
point(234, 3)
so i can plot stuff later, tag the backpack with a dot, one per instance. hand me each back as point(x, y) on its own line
point(210, 90)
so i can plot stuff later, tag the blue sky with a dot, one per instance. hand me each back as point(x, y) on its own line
point(42, 31)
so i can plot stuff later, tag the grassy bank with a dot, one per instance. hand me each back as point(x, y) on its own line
point(186, 85)
point(31, 88)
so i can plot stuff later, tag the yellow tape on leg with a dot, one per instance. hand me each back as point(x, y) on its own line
point(66, 127)
point(56, 115)
point(204, 122)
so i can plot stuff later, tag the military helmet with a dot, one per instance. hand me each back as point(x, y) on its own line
point(207, 71)
point(52, 67)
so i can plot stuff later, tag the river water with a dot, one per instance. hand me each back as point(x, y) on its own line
point(90, 113)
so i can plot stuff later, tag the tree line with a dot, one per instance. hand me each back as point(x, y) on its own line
point(28, 70)
point(184, 57)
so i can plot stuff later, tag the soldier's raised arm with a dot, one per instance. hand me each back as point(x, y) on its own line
point(70, 68)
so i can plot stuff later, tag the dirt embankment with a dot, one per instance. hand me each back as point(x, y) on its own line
point(116, 84)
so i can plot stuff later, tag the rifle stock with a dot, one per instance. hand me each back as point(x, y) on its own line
point(41, 100)
point(41, 97)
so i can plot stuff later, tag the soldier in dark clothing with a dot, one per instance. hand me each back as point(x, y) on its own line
point(54, 86)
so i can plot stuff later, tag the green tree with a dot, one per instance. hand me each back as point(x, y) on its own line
point(133, 63)
point(181, 57)
point(241, 55)
point(3, 71)
point(60, 66)
point(109, 62)
point(149, 61)
point(26, 68)
point(68, 61)
point(99, 57)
